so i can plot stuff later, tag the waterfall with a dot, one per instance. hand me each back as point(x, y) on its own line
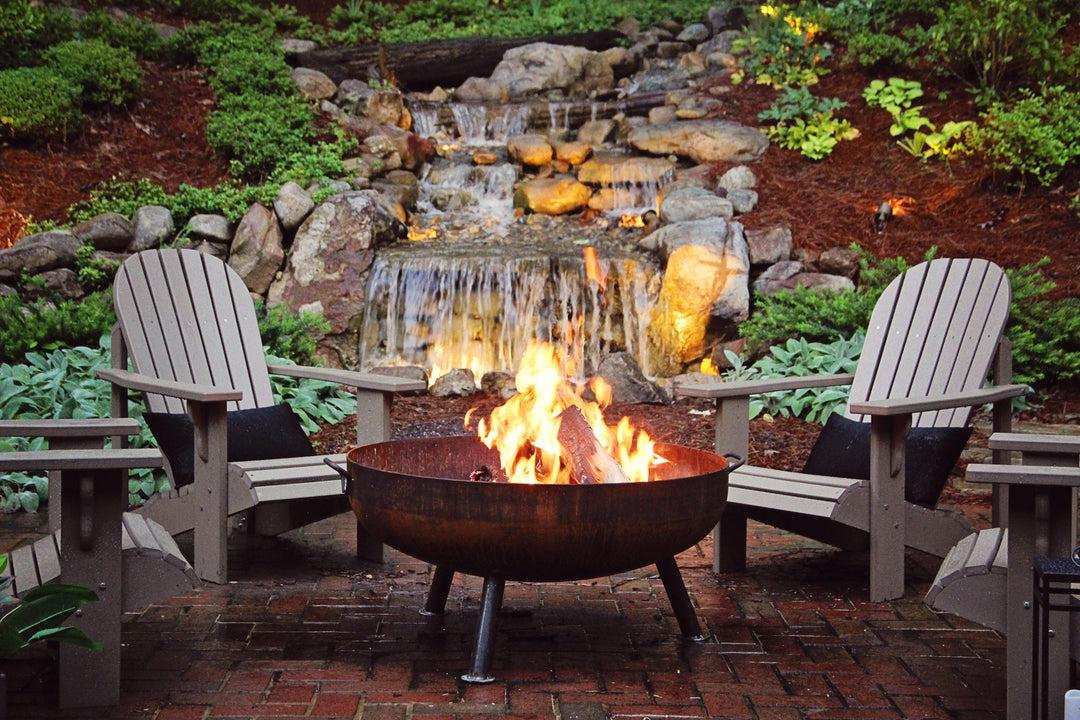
point(482, 124)
point(478, 306)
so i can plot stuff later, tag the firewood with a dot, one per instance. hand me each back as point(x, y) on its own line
point(582, 452)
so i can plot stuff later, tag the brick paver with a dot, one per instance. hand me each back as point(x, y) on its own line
point(304, 630)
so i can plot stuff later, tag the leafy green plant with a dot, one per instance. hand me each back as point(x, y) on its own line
point(799, 102)
point(105, 74)
point(95, 271)
point(780, 49)
point(806, 123)
point(896, 97)
point(39, 615)
point(290, 335)
point(800, 358)
point(1037, 136)
point(981, 41)
point(132, 33)
point(943, 143)
point(37, 103)
point(42, 325)
point(1045, 333)
point(27, 28)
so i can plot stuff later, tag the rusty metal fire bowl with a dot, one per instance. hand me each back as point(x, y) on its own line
point(417, 497)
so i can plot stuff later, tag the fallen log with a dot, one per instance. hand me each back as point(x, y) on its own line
point(426, 64)
point(582, 452)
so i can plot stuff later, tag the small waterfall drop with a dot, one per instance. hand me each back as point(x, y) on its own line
point(442, 306)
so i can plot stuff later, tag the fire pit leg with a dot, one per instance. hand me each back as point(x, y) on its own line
point(439, 591)
point(490, 603)
point(680, 600)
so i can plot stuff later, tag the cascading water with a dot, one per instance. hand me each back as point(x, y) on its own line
point(477, 306)
point(476, 284)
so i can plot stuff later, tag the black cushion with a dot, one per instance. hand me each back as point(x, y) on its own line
point(843, 450)
point(256, 434)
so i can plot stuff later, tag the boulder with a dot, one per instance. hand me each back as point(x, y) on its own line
point(628, 383)
point(769, 245)
point(743, 200)
point(256, 253)
point(384, 106)
point(702, 140)
point(842, 261)
point(313, 84)
point(530, 149)
point(37, 253)
point(574, 153)
point(292, 205)
point(738, 177)
point(552, 196)
point(152, 225)
point(694, 203)
point(108, 231)
point(499, 382)
point(479, 90)
point(459, 382)
point(539, 67)
point(210, 227)
point(778, 277)
point(596, 132)
point(610, 170)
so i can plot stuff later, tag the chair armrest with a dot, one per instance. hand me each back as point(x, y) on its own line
point(744, 388)
point(69, 428)
point(908, 406)
point(179, 390)
point(352, 378)
point(35, 460)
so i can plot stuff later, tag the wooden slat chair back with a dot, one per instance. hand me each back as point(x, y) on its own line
point(188, 317)
point(933, 337)
point(934, 331)
point(187, 324)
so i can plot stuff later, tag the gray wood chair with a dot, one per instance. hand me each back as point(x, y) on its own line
point(933, 337)
point(187, 323)
point(128, 560)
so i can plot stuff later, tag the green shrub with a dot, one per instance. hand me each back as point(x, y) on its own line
point(259, 131)
point(781, 49)
point(290, 335)
point(42, 325)
point(813, 315)
point(1045, 333)
point(36, 103)
point(243, 71)
point(105, 74)
point(132, 33)
point(982, 41)
point(1036, 136)
point(26, 30)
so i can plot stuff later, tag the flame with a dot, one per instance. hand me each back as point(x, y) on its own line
point(631, 221)
point(525, 429)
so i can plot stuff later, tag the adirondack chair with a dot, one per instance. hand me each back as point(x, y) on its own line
point(987, 576)
point(932, 338)
point(188, 325)
point(128, 560)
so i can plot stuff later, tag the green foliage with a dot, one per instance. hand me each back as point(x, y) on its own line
point(943, 143)
point(37, 103)
point(868, 31)
point(106, 74)
point(982, 41)
point(39, 615)
point(290, 335)
point(800, 358)
point(26, 29)
point(95, 271)
point(42, 325)
point(780, 49)
point(896, 97)
point(1037, 136)
point(806, 313)
point(806, 123)
point(313, 401)
point(132, 33)
point(1045, 333)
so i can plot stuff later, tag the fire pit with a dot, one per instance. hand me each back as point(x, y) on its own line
point(417, 497)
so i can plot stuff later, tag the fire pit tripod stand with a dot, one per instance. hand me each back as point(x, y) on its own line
point(416, 497)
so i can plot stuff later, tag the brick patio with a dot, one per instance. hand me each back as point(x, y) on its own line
point(305, 630)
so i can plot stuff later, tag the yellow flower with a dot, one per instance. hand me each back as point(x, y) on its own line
point(770, 10)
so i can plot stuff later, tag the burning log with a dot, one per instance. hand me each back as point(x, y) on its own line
point(582, 452)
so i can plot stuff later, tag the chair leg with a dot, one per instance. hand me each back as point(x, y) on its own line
point(729, 542)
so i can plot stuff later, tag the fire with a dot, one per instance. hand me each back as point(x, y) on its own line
point(631, 221)
point(525, 430)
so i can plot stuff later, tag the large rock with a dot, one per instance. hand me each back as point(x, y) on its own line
point(108, 231)
point(256, 252)
point(479, 90)
point(459, 382)
point(383, 106)
point(292, 205)
point(608, 170)
point(701, 140)
point(538, 67)
point(211, 227)
point(153, 225)
point(707, 276)
point(552, 196)
point(769, 245)
point(313, 84)
point(694, 203)
point(530, 149)
point(326, 271)
point(37, 253)
point(413, 150)
point(628, 383)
